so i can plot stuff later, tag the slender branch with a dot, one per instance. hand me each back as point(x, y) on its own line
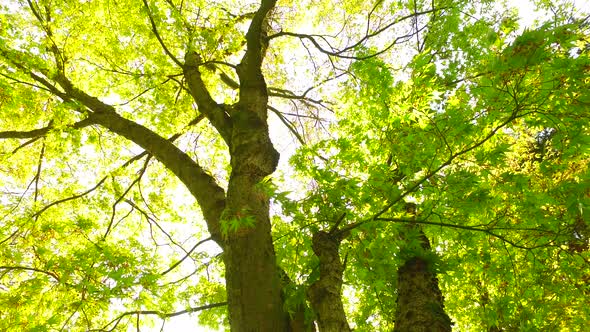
point(340, 53)
point(57, 54)
point(73, 197)
point(287, 124)
point(134, 182)
point(16, 80)
point(36, 133)
point(38, 174)
point(78, 306)
point(173, 266)
point(32, 269)
point(155, 31)
point(469, 228)
point(281, 93)
point(152, 220)
point(29, 142)
point(9, 236)
point(160, 314)
point(127, 163)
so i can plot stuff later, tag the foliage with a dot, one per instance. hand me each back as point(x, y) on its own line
point(481, 122)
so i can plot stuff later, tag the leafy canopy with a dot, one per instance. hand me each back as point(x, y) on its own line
point(448, 104)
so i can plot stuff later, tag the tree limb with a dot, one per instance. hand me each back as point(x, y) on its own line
point(32, 269)
point(155, 31)
point(209, 195)
point(35, 133)
point(253, 89)
point(340, 53)
point(216, 113)
point(160, 314)
point(469, 228)
point(173, 266)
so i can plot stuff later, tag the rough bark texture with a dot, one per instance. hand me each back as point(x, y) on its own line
point(252, 282)
point(420, 305)
point(253, 285)
point(325, 293)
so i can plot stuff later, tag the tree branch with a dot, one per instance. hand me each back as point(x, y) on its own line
point(120, 198)
point(287, 124)
point(173, 266)
point(155, 31)
point(253, 89)
point(340, 53)
point(209, 195)
point(35, 133)
point(160, 314)
point(469, 228)
point(216, 114)
point(32, 269)
point(63, 200)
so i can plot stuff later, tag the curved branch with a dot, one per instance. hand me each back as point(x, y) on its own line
point(216, 114)
point(287, 124)
point(160, 314)
point(340, 53)
point(127, 163)
point(32, 269)
point(35, 133)
point(282, 93)
point(120, 198)
point(155, 31)
point(209, 195)
point(469, 228)
point(63, 200)
point(173, 266)
point(151, 221)
point(16, 80)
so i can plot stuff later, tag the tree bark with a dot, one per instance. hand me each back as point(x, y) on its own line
point(325, 293)
point(252, 282)
point(420, 305)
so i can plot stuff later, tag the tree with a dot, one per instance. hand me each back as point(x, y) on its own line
point(457, 181)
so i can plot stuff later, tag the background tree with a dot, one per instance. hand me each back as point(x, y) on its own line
point(443, 152)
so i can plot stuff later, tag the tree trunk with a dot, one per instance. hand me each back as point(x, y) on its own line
point(253, 284)
point(325, 293)
point(252, 281)
point(420, 305)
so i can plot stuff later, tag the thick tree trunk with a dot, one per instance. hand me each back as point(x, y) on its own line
point(252, 281)
point(253, 288)
point(253, 284)
point(325, 293)
point(420, 305)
